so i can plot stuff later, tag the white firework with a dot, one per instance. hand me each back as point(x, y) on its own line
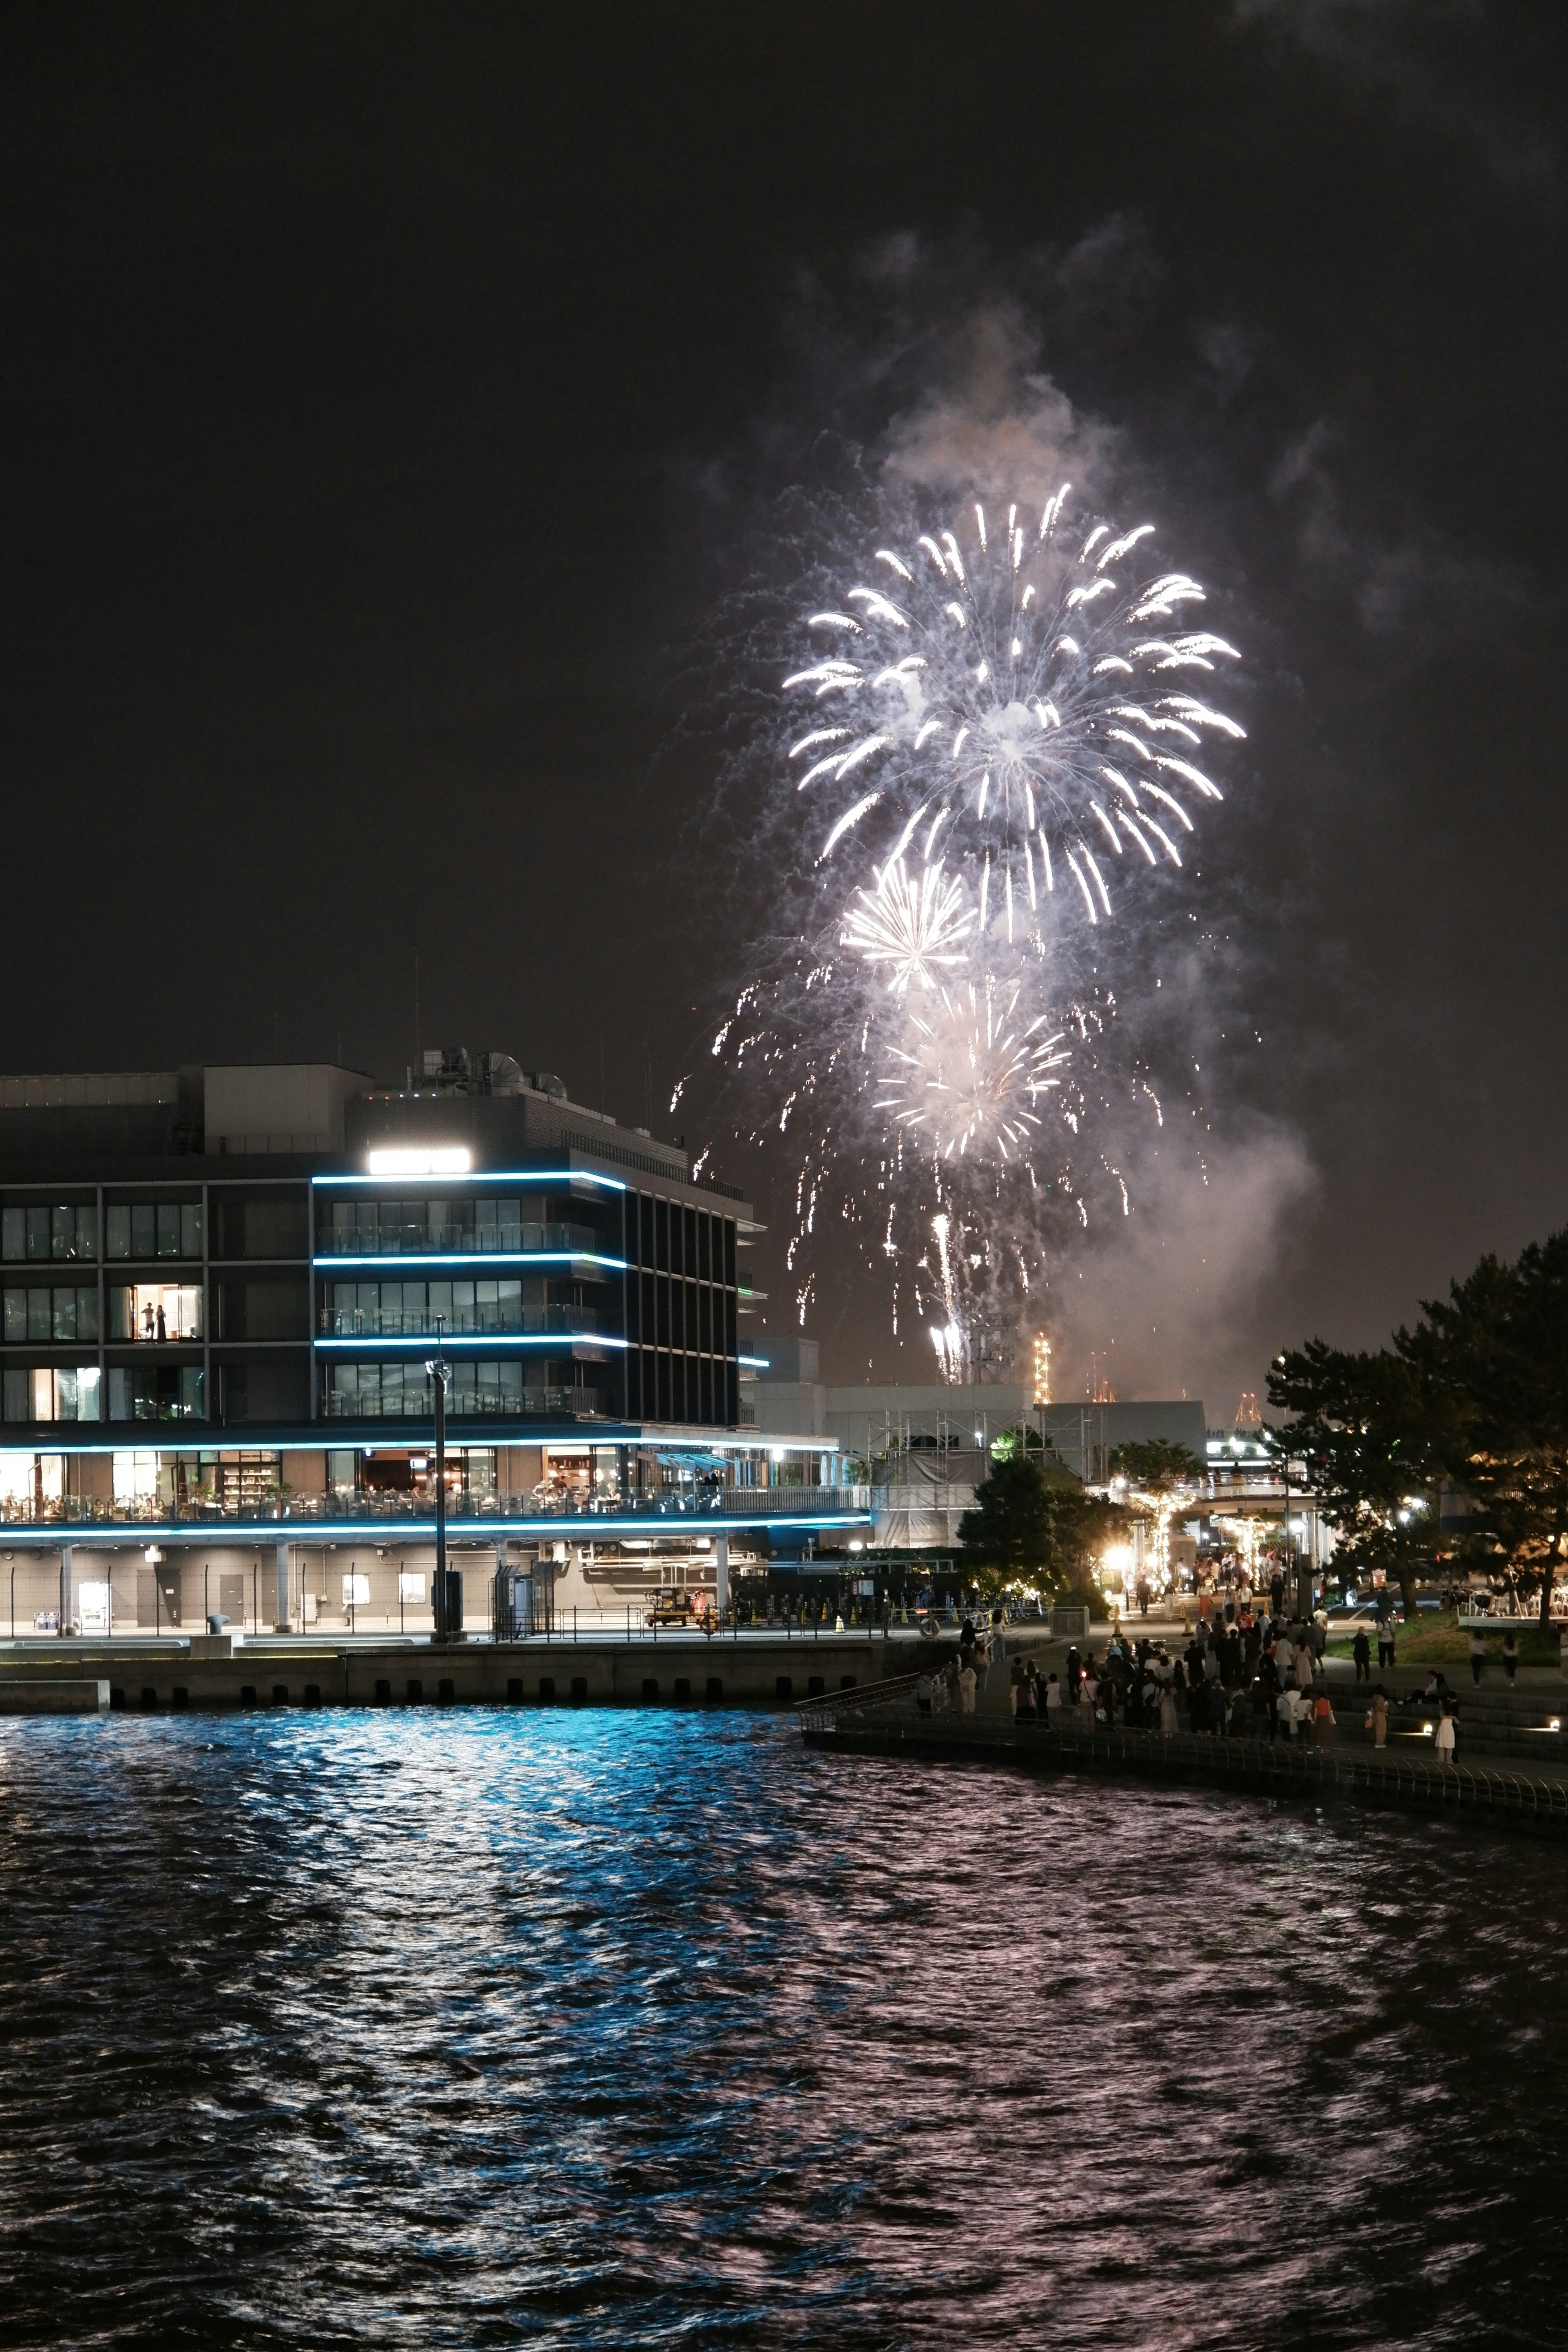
point(1009, 724)
point(911, 926)
point(1016, 699)
point(972, 1075)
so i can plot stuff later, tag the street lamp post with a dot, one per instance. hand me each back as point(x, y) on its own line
point(445, 1607)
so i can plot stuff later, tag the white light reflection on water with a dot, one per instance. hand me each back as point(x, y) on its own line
point(592, 2029)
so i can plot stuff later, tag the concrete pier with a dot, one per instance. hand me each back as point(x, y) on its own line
point(664, 1669)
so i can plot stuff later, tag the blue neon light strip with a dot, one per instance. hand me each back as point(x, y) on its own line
point(491, 1176)
point(599, 1528)
point(755, 1364)
point(493, 1340)
point(460, 1258)
point(214, 1438)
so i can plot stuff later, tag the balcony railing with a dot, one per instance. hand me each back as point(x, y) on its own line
point(488, 1403)
point(394, 1323)
point(381, 1240)
point(297, 1514)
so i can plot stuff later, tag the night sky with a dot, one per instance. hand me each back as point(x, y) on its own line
point(389, 397)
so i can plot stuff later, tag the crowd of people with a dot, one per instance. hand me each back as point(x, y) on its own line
point(1242, 1674)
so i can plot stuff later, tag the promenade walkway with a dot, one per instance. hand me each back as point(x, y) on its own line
point(1532, 1790)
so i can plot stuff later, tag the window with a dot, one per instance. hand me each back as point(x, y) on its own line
point(155, 1392)
point(356, 1590)
point(144, 1229)
point(60, 1313)
point(54, 1392)
point(155, 1310)
point(60, 1232)
point(135, 1477)
point(411, 1586)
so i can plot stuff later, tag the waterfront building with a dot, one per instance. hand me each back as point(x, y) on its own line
point(924, 1449)
point(223, 1290)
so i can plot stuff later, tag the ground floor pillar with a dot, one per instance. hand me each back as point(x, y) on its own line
point(280, 1613)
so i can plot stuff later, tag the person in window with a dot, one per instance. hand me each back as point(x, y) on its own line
point(147, 1321)
point(162, 1326)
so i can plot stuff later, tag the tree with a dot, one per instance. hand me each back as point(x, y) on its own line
point(1375, 1443)
point(1028, 1521)
point(1156, 1462)
point(1492, 1359)
point(1010, 1525)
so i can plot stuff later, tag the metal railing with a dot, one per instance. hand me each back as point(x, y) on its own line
point(398, 1323)
point(1277, 1765)
point(381, 1239)
point(684, 1502)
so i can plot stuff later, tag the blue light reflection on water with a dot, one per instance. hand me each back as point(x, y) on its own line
point(621, 2029)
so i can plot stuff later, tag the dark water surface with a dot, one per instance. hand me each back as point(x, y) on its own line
point(644, 2029)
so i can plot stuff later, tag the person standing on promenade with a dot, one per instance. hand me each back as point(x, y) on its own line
point(1361, 1650)
point(997, 1647)
point(1252, 1642)
point(1053, 1703)
point(1168, 1709)
point(1087, 1690)
point(922, 1692)
point(1446, 1738)
point(1304, 1664)
point(966, 1688)
point(1510, 1654)
point(1322, 1720)
point(1385, 1641)
point(1075, 1672)
point(1378, 1717)
point(1478, 1653)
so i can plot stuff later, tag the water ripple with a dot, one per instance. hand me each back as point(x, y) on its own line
point(581, 2029)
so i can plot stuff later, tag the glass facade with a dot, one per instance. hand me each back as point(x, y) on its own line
point(398, 1309)
point(243, 1299)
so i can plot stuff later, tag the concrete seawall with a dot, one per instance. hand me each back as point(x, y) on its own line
point(678, 1669)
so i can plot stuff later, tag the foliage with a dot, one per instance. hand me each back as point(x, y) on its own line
point(1478, 1392)
point(1156, 1462)
point(1027, 1521)
point(1011, 1442)
point(1370, 1447)
point(1495, 1354)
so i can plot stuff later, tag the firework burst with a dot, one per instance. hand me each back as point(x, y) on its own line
point(913, 929)
point(1015, 700)
point(972, 1073)
point(1008, 730)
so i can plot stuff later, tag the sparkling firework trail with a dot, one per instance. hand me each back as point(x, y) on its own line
point(1004, 745)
